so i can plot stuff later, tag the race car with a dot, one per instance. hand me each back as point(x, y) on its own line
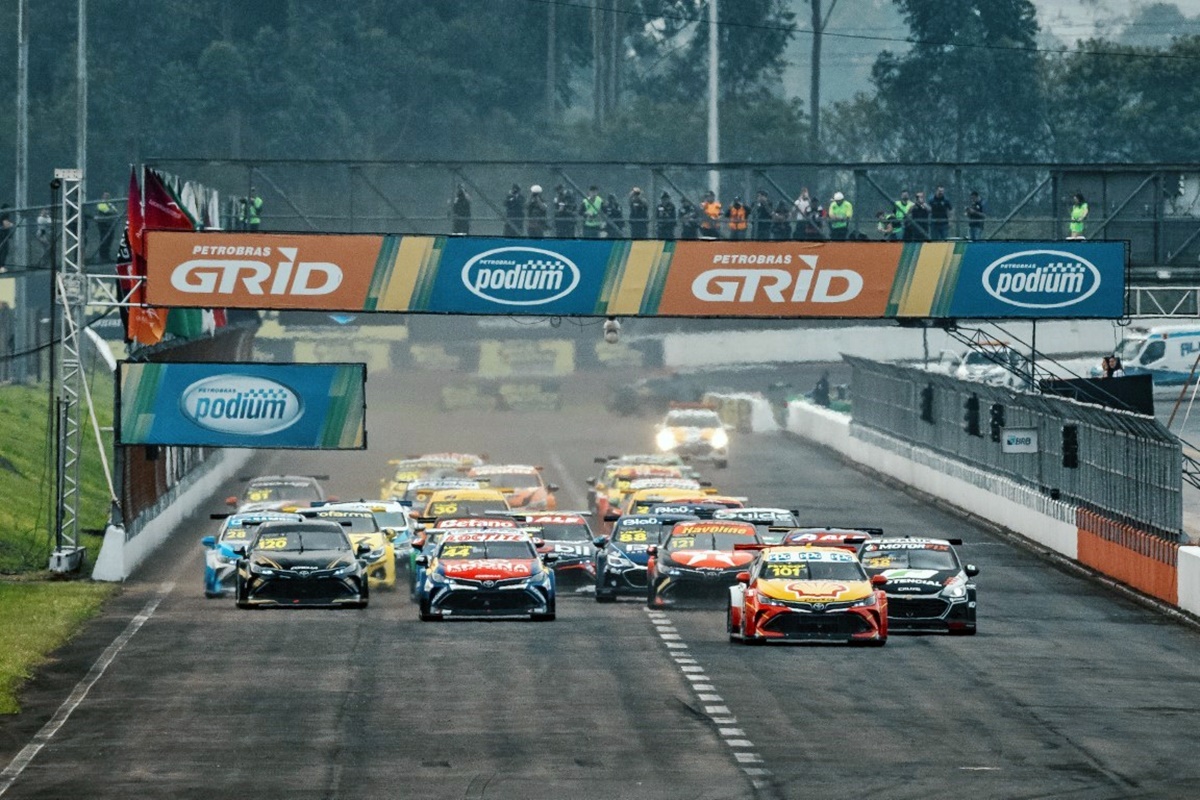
point(310, 563)
point(845, 538)
point(694, 431)
point(614, 482)
point(569, 537)
point(621, 558)
point(362, 527)
point(769, 521)
point(460, 502)
point(698, 560)
point(418, 491)
point(275, 492)
point(634, 497)
point(220, 557)
point(428, 538)
point(644, 501)
point(928, 588)
point(414, 469)
point(495, 573)
point(797, 593)
point(522, 485)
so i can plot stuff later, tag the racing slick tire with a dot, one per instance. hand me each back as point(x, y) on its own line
point(547, 617)
point(963, 631)
point(606, 598)
point(240, 595)
point(424, 615)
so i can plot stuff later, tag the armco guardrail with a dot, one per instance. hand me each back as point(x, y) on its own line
point(1127, 466)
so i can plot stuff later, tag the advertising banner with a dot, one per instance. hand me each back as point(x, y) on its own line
point(301, 406)
point(599, 277)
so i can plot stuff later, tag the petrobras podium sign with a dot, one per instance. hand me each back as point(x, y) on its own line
point(302, 406)
point(614, 277)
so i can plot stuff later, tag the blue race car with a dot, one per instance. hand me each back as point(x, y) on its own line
point(620, 560)
point(220, 560)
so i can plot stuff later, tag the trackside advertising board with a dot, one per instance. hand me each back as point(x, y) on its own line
point(301, 406)
point(570, 277)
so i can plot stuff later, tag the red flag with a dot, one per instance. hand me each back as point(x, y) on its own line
point(163, 211)
point(143, 324)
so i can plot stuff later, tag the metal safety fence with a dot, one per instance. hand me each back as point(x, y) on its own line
point(1124, 465)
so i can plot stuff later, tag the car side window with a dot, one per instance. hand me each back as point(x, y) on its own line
point(1153, 352)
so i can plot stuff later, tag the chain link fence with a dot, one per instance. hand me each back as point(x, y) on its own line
point(1124, 465)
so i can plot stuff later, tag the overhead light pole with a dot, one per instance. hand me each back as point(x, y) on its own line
point(714, 136)
point(21, 196)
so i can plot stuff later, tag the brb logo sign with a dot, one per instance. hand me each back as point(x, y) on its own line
point(520, 276)
point(279, 277)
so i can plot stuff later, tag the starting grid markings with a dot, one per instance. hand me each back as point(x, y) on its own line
point(712, 703)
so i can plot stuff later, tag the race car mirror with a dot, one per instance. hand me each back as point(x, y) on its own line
point(743, 577)
point(362, 549)
point(652, 550)
point(422, 561)
point(971, 570)
point(225, 515)
point(612, 516)
point(552, 487)
point(209, 541)
point(239, 550)
point(590, 480)
point(550, 558)
point(600, 541)
point(878, 580)
point(231, 501)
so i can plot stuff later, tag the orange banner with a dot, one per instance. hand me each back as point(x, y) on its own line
point(327, 273)
point(780, 279)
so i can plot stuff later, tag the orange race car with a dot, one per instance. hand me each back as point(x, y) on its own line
point(522, 485)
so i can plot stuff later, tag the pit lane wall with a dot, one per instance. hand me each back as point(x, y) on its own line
point(1141, 560)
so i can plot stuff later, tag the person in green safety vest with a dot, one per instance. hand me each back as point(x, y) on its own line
point(900, 209)
point(254, 204)
point(1079, 213)
point(106, 225)
point(592, 210)
point(841, 213)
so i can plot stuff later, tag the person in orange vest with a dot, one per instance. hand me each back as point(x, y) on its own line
point(736, 214)
point(710, 217)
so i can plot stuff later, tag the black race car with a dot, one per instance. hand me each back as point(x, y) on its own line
point(309, 563)
point(620, 558)
point(767, 520)
point(567, 535)
point(928, 588)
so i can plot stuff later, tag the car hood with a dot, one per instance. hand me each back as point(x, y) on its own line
point(313, 559)
point(916, 581)
point(571, 550)
point(637, 552)
point(811, 591)
point(709, 559)
point(488, 569)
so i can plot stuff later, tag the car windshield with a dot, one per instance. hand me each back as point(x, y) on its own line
point(478, 550)
point(707, 541)
point(285, 490)
point(939, 557)
point(812, 571)
point(513, 480)
point(299, 541)
point(561, 532)
point(391, 519)
point(982, 357)
point(235, 535)
point(446, 508)
point(693, 419)
point(360, 522)
point(1128, 349)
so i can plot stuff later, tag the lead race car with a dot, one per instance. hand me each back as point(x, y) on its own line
point(310, 563)
point(928, 588)
point(807, 593)
point(496, 573)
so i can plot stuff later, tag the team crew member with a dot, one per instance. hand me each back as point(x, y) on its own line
point(535, 213)
point(710, 217)
point(592, 210)
point(841, 212)
point(666, 216)
point(736, 214)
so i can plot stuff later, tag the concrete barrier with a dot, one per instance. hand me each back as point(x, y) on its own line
point(121, 553)
point(1188, 579)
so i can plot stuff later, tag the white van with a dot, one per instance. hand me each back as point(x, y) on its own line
point(1167, 352)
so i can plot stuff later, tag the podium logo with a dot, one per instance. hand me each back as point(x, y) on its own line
point(1041, 279)
point(520, 276)
point(285, 278)
point(241, 405)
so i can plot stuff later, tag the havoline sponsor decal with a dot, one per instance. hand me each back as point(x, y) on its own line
point(243, 405)
point(1041, 279)
point(520, 276)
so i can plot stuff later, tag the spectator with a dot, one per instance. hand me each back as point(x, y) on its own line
point(535, 213)
point(885, 223)
point(1079, 213)
point(564, 213)
point(814, 224)
point(514, 212)
point(639, 215)
point(106, 226)
point(665, 216)
point(689, 219)
point(710, 217)
point(736, 214)
point(254, 206)
point(820, 393)
point(841, 214)
point(761, 217)
point(6, 233)
point(801, 208)
point(592, 209)
point(939, 215)
point(901, 209)
point(460, 213)
point(916, 224)
point(975, 217)
point(614, 217)
point(781, 224)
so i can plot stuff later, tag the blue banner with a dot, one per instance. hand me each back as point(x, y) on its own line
point(301, 406)
point(1053, 280)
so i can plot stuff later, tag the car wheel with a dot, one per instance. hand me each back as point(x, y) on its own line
point(424, 614)
point(963, 631)
point(542, 617)
point(606, 598)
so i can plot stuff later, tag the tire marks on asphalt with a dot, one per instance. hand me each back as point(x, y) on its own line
point(711, 703)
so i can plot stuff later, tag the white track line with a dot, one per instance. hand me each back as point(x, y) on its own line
point(733, 736)
point(43, 737)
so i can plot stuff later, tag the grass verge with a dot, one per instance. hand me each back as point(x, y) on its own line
point(36, 618)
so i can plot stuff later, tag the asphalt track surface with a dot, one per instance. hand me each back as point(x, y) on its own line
point(1069, 691)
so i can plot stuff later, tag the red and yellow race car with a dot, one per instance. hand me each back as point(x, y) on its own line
point(807, 593)
point(522, 485)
